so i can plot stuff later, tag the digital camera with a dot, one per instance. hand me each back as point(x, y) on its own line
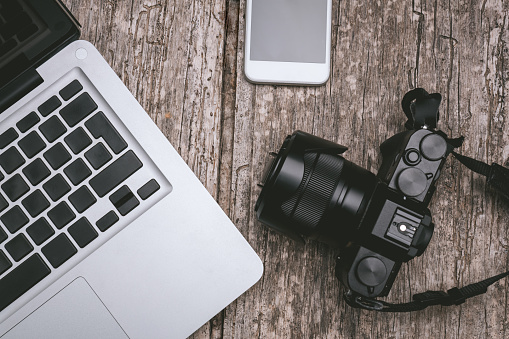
point(377, 221)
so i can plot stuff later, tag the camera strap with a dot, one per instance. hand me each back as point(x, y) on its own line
point(421, 109)
point(497, 177)
point(454, 296)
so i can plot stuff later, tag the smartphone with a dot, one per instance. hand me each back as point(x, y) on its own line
point(288, 41)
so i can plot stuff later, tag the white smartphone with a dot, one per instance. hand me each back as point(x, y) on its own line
point(288, 41)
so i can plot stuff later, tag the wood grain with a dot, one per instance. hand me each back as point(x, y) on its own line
point(183, 60)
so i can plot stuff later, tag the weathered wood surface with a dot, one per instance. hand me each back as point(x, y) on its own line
point(183, 60)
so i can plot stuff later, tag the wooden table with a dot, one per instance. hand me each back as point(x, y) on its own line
point(183, 60)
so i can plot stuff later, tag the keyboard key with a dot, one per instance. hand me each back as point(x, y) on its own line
point(148, 189)
point(3, 235)
point(14, 219)
point(40, 231)
point(77, 171)
point(15, 187)
point(49, 106)
point(59, 250)
point(5, 264)
point(7, 137)
point(28, 122)
point(115, 173)
point(36, 171)
point(31, 144)
point(82, 199)
point(3, 203)
point(100, 126)
point(124, 200)
point(11, 160)
point(14, 284)
point(98, 155)
point(57, 156)
point(78, 109)
point(61, 215)
point(71, 90)
point(107, 221)
point(52, 128)
point(82, 232)
point(35, 203)
point(78, 140)
point(56, 187)
point(19, 247)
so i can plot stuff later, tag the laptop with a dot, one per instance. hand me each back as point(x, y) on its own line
point(104, 230)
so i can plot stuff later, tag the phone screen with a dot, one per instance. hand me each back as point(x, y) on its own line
point(289, 30)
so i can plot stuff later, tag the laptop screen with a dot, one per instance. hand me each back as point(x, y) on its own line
point(31, 31)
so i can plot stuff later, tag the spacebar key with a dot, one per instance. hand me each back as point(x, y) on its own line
point(21, 279)
point(115, 173)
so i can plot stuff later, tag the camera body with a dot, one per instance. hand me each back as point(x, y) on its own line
point(396, 226)
point(378, 222)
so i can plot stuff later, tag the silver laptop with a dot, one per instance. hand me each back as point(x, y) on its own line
point(104, 230)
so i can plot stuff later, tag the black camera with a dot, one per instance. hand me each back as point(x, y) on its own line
point(378, 222)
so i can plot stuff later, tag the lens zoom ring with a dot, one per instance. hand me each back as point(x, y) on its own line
point(289, 206)
point(311, 200)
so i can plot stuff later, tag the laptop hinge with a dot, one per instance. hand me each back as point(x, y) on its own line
point(18, 88)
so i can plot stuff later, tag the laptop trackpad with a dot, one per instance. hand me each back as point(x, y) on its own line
point(74, 312)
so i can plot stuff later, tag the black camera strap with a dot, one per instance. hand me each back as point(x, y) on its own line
point(454, 296)
point(497, 177)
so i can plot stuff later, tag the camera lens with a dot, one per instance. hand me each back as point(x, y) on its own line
point(310, 190)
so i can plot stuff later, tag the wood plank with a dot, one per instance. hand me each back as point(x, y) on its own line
point(183, 60)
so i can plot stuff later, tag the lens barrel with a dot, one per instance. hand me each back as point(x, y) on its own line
point(310, 190)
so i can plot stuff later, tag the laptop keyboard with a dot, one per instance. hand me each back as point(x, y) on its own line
point(58, 162)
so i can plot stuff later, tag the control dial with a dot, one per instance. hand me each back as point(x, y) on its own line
point(371, 271)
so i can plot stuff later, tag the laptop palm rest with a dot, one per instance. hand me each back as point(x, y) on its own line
point(74, 312)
